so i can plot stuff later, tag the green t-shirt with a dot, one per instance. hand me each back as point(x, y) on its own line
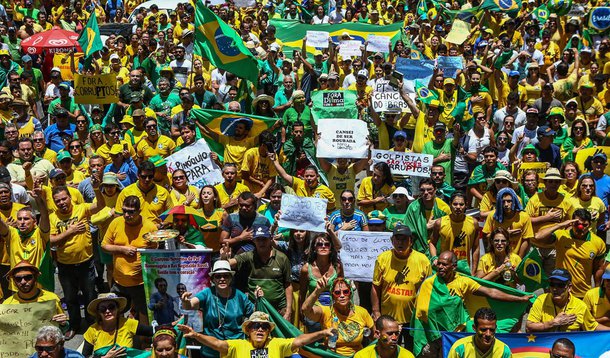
point(393, 217)
point(37, 74)
point(67, 103)
point(164, 105)
point(291, 115)
point(436, 149)
point(271, 276)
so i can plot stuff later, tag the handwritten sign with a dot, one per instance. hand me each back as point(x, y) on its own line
point(196, 162)
point(342, 138)
point(20, 324)
point(583, 154)
point(450, 65)
point(383, 101)
point(400, 163)
point(378, 43)
point(459, 32)
point(303, 213)
point(318, 39)
point(62, 61)
point(96, 89)
point(360, 250)
point(350, 48)
point(538, 167)
point(413, 70)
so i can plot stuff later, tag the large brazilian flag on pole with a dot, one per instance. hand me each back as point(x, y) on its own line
point(218, 42)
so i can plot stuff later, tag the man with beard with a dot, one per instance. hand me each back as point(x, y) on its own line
point(483, 342)
point(135, 85)
point(154, 143)
point(387, 332)
point(27, 164)
point(25, 123)
point(398, 274)
point(235, 144)
point(237, 227)
point(71, 235)
point(163, 103)
point(180, 64)
point(443, 190)
point(189, 237)
point(6, 65)
point(230, 189)
point(559, 310)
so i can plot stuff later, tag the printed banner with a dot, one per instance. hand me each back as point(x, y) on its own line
point(183, 271)
point(538, 167)
point(334, 104)
point(291, 33)
point(303, 213)
point(450, 65)
point(342, 138)
point(460, 30)
point(584, 154)
point(62, 60)
point(350, 48)
point(197, 163)
point(20, 324)
point(522, 345)
point(96, 89)
point(317, 39)
point(383, 101)
point(421, 70)
point(378, 43)
point(599, 18)
point(413, 164)
point(360, 250)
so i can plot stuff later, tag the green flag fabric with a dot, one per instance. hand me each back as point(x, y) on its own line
point(129, 352)
point(510, 7)
point(541, 13)
point(530, 272)
point(424, 94)
point(90, 40)
point(422, 9)
point(218, 42)
point(334, 104)
point(47, 271)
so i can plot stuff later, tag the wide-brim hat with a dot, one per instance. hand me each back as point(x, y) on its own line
point(263, 97)
point(553, 174)
point(23, 265)
point(104, 297)
point(221, 266)
point(503, 174)
point(257, 316)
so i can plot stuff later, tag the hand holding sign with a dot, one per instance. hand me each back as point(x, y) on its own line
point(317, 39)
point(303, 213)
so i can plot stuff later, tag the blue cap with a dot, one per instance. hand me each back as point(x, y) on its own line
point(261, 231)
point(514, 73)
point(400, 134)
point(64, 85)
point(600, 156)
point(560, 275)
point(26, 58)
point(439, 28)
point(545, 131)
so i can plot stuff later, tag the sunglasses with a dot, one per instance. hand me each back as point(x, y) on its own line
point(179, 177)
point(222, 276)
point(75, 147)
point(351, 198)
point(47, 349)
point(114, 133)
point(437, 174)
point(339, 293)
point(558, 284)
point(25, 277)
point(322, 244)
point(258, 325)
point(38, 140)
point(109, 307)
point(147, 176)
point(579, 129)
point(129, 211)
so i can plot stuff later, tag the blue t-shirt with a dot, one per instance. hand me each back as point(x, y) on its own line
point(337, 219)
point(223, 317)
point(602, 190)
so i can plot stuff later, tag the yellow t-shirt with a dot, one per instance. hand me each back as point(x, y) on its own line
point(465, 347)
point(370, 352)
point(577, 256)
point(235, 150)
point(520, 220)
point(595, 206)
point(458, 237)
point(276, 347)
point(43, 296)
point(212, 228)
point(99, 338)
point(597, 302)
point(487, 263)
point(75, 196)
point(127, 269)
point(75, 178)
point(350, 337)
point(399, 281)
point(338, 182)
point(321, 191)
point(30, 248)
point(152, 203)
point(544, 310)
point(423, 133)
point(49, 155)
point(104, 151)
point(4, 215)
point(180, 199)
point(260, 168)
point(448, 103)
point(225, 197)
point(78, 248)
point(163, 146)
point(366, 192)
point(539, 205)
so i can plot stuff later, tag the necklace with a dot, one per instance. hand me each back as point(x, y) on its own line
point(221, 319)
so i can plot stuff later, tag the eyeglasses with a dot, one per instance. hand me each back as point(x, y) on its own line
point(151, 126)
point(81, 121)
point(350, 199)
point(38, 140)
point(339, 293)
point(502, 139)
point(75, 146)
point(322, 244)
point(258, 325)
point(129, 211)
point(25, 277)
point(222, 276)
point(47, 349)
point(142, 176)
point(108, 307)
point(179, 177)
point(579, 129)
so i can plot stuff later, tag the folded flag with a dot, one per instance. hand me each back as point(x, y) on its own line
point(530, 272)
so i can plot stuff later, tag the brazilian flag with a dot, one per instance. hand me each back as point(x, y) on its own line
point(424, 94)
point(422, 9)
point(510, 7)
point(530, 272)
point(90, 40)
point(47, 271)
point(541, 13)
point(219, 43)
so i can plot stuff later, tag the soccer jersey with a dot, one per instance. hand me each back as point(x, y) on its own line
point(466, 348)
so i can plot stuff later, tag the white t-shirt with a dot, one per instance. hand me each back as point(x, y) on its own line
point(531, 136)
point(499, 115)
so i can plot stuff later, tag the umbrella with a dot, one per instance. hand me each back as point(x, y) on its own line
point(52, 41)
point(195, 217)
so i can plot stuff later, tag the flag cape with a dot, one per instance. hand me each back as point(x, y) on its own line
point(129, 352)
point(291, 33)
point(47, 271)
point(415, 218)
point(522, 345)
point(334, 104)
point(90, 40)
point(511, 7)
point(285, 329)
point(530, 272)
point(218, 42)
point(223, 123)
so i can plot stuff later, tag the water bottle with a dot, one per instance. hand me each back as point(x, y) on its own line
point(332, 340)
point(508, 274)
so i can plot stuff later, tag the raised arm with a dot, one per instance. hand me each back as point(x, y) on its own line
point(216, 344)
point(309, 309)
point(280, 170)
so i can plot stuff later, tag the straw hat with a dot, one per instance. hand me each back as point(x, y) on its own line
point(502, 174)
point(257, 316)
point(263, 97)
point(121, 302)
point(553, 174)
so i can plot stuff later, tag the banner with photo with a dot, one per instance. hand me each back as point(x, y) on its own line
point(334, 104)
point(183, 271)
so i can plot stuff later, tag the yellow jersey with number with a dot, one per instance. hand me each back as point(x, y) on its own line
point(77, 248)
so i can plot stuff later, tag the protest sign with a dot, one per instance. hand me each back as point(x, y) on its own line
point(243, 3)
point(317, 39)
point(538, 167)
point(20, 324)
point(334, 104)
point(62, 61)
point(360, 250)
point(400, 163)
point(342, 138)
point(460, 30)
point(350, 48)
point(303, 213)
point(450, 65)
point(583, 154)
point(383, 101)
point(421, 70)
point(186, 270)
point(96, 89)
point(377, 43)
point(196, 162)
point(599, 18)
